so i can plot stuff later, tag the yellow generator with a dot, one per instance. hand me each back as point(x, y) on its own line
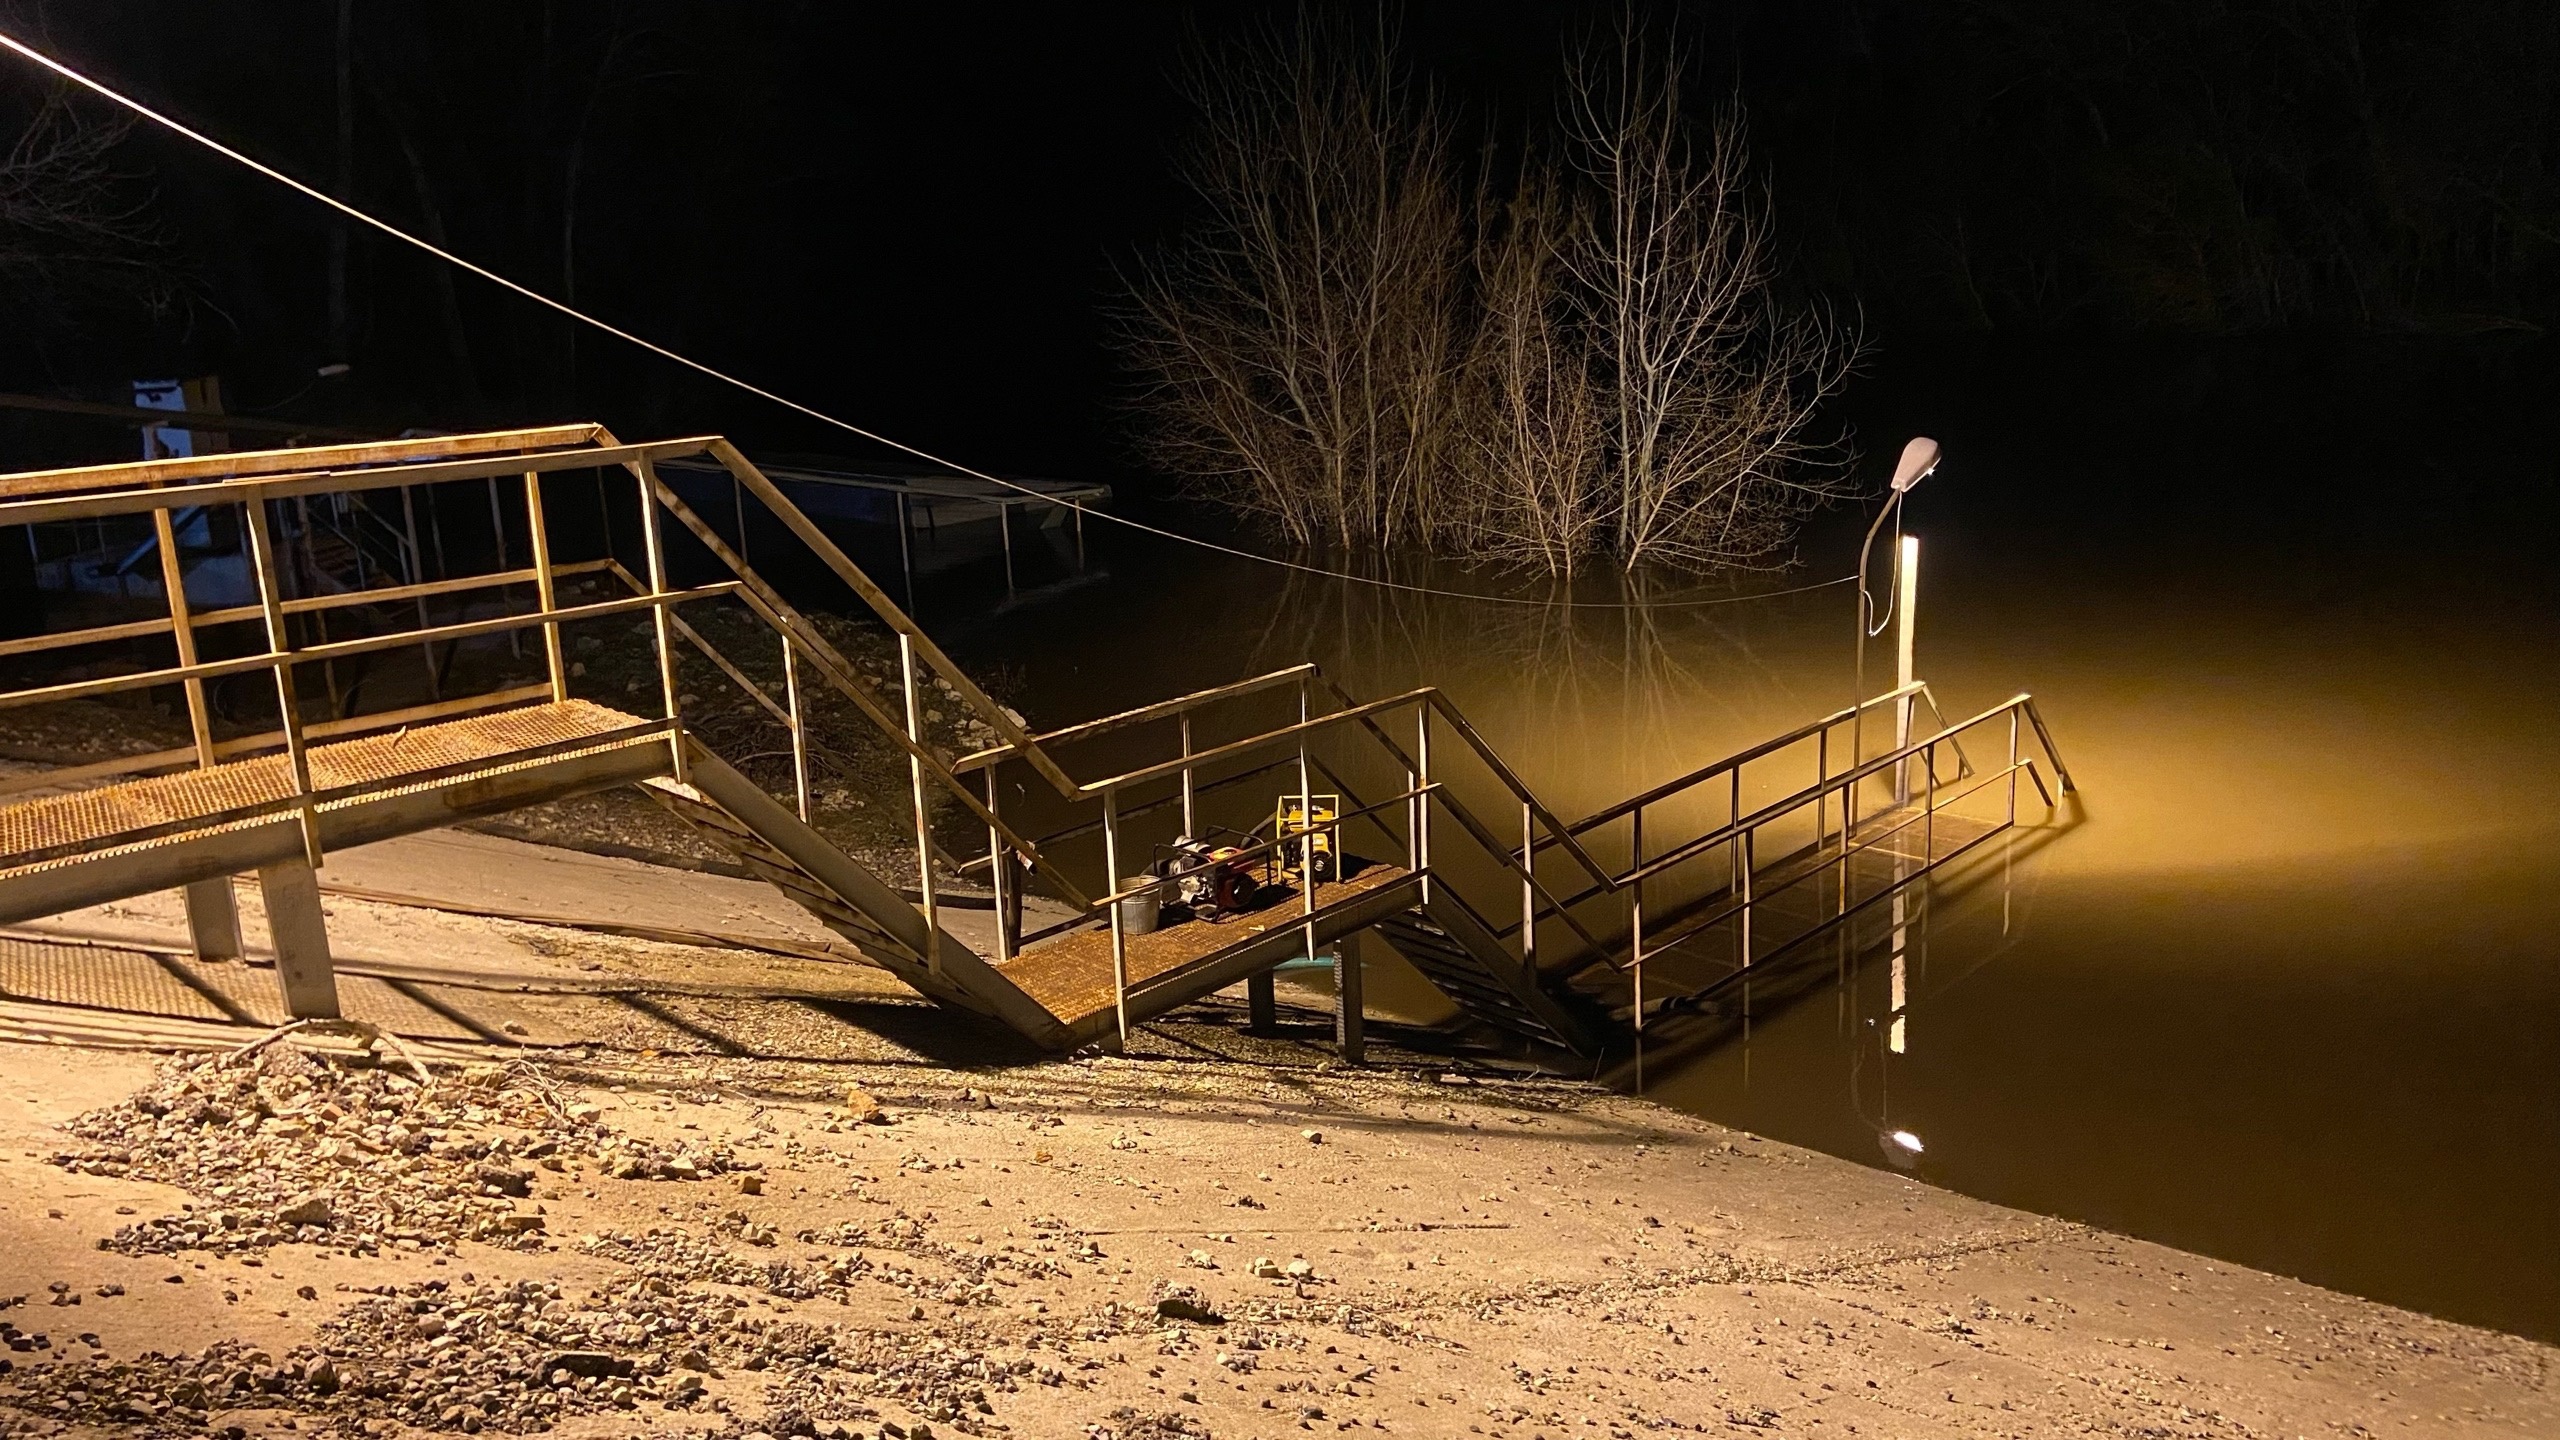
point(1290, 820)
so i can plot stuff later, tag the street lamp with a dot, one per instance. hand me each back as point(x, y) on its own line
point(1919, 458)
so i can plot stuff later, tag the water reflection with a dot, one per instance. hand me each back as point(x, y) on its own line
point(2283, 991)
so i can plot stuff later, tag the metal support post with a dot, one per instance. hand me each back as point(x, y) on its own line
point(182, 629)
point(1635, 911)
point(1906, 623)
point(1422, 804)
point(213, 915)
point(1821, 787)
point(262, 557)
point(1119, 935)
point(213, 919)
point(543, 587)
point(924, 821)
point(1261, 1004)
point(1000, 876)
point(1346, 972)
point(1190, 811)
point(799, 726)
point(414, 563)
point(1733, 853)
point(498, 541)
point(906, 555)
point(1748, 864)
point(653, 544)
point(2013, 765)
point(1350, 1006)
point(1004, 535)
point(1528, 888)
point(300, 932)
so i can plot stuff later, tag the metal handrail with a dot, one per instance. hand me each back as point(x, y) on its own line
point(237, 464)
point(250, 614)
point(329, 482)
point(1841, 782)
point(341, 649)
point(1719, 768)
point(1717, 914)
point(1160, 710)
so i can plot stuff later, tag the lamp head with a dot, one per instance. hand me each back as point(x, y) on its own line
point(1918, 459)
point(1902, 1149)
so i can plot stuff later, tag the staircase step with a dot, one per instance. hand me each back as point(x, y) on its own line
point(1474, 983)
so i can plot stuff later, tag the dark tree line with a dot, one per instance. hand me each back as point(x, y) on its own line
point(2193, 166)
point(912, 214)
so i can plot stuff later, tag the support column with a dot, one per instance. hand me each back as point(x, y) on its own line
point(1349, 1005)
point(301, 936)
point(1261, 1005)
point(213, 919)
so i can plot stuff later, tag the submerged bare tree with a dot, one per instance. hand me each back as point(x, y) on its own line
point(1532, 454)
point(1711, 387)
point(1592, 364)
point(1295, 351)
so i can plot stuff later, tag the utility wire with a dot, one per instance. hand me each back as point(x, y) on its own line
point(12, 43)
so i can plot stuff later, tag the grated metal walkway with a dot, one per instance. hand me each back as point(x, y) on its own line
point(54, 829)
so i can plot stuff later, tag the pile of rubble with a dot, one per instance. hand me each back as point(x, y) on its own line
point(275, 1145)
point(522, 1357)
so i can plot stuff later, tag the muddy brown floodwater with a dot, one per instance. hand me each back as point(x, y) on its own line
point(2283, 991)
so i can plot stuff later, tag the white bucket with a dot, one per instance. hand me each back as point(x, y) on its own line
point(1139, 911)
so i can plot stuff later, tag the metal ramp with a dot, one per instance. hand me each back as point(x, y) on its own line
point(1647, 883)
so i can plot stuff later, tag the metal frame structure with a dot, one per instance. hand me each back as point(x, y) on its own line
point(1079, 981)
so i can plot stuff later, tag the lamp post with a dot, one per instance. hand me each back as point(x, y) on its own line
point(1919, 458)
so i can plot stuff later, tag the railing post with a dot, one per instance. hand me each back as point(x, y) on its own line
point(416, 562)
point(1635, 911)
point(1821, 782)
point(1929, 805)
point(1906, 630)
point(262, 553)
point(1413, 804)
point(653, 545)
point(1119, 936)
point(1190, 819)
point(1734, 868)
point(1422, 803)
point(2013, 764)
point(213, 912)
point(540, 530)
point(799, 726)
point(1307, 828)
point(1750, 860)
point(1000, 877)
point(1528, 888)
point(498, 540)
point(182, 629)
point(924, 820)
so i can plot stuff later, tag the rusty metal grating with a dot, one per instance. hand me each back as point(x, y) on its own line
point(98, 817)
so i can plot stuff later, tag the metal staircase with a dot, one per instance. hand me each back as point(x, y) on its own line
point(1599, 902)
point(1483, 980)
